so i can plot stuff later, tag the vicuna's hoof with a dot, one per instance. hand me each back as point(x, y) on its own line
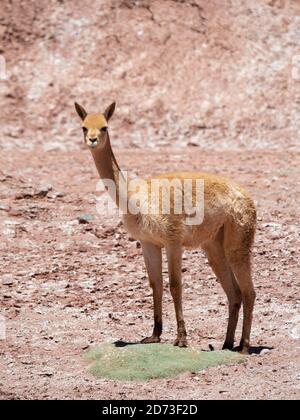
point(227, 346)
point(244, 347)
point(180, 342)
point(245, 351)
point(242, 350)
point(149, 340)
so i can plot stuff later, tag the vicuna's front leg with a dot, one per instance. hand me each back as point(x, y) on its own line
point(174, 254)
point(153, 261)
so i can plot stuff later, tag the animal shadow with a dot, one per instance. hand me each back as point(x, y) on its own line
point(252, 350)
point(256, 350)
point(121, 343)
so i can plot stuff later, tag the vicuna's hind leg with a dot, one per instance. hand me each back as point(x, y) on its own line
point(217, 260)
point(174, 254)
point(237, 245)
point(153, 261)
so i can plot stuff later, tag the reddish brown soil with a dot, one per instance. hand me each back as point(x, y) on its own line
point(214, 92)
point(67, 286)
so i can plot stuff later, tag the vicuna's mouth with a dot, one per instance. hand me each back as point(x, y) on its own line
point(92, 143)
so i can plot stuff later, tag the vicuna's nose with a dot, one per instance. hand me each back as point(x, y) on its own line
point(93, 140)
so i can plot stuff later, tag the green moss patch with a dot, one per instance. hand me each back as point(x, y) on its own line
point(141, 362)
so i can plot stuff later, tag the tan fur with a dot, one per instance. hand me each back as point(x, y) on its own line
point(226, 236)
point(93, 121)
point(224, 202)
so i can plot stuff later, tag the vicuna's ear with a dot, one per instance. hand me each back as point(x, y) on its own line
point(80, 111)
point(108, 113)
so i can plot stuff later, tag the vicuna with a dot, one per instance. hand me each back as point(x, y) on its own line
point(226, 235)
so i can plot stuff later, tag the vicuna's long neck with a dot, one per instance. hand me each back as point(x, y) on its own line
point(109, 169)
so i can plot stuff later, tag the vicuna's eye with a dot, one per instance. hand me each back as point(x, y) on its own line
point(84, 130)
point(104, 129)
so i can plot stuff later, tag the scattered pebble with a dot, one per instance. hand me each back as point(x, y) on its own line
point(4, 207)
point(86, 218)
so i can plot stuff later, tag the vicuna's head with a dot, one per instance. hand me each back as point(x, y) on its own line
point(95, 126)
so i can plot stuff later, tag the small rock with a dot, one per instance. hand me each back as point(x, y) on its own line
point(264, 351)
point(20, 229)
point(267, 300)
point(4, 207)
point(46, 373)
point(86, 218)
point(56, 194)
point(275, 235)
point(85, 347)
point(42, 190)
point(15, 212)
point(7, 280)
point(24, 194)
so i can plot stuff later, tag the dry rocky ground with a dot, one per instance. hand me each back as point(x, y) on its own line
point(67, 286)
point(216, 91)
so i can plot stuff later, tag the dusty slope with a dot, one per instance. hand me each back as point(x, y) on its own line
point(181, 70)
